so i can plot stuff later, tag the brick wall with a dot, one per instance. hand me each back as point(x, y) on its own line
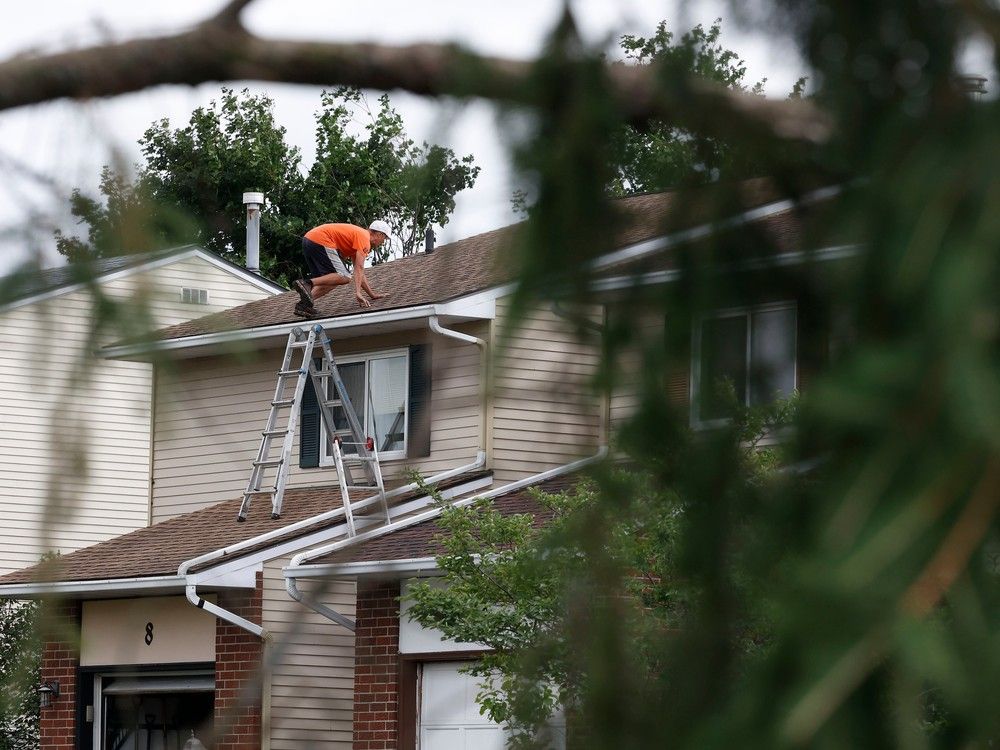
point(376, 667)
point(60, 659)
point(237, 681)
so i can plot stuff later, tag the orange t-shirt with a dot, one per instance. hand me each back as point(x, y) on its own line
point(346, 239)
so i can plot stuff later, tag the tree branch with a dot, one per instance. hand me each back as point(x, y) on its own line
point(221, 49)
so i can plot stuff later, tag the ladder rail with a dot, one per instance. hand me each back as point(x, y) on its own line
point(307, 372)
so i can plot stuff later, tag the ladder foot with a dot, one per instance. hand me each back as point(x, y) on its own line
point(275, 516)
point(240, 519)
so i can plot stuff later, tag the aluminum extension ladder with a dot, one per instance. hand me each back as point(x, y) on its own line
point(283, 417)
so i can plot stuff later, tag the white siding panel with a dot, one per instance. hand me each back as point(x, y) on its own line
point(311, 685)
point(74, 429)
point(543, 412)
point(210, 412)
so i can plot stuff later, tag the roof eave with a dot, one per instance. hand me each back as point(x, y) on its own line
point(477, 306)
point(414, 567)
point(94, 589)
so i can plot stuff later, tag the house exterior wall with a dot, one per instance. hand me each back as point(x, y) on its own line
point(238, 686)
point(210, 413)
point(377, 667)
point(74, 458)
point(310, 685)
point(60, 659)
point(543, 414)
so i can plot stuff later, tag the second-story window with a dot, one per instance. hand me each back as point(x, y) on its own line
point(751, 348)
point(378, 386)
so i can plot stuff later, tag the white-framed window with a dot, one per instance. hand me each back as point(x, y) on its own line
point(752, 348)
point(378, 385)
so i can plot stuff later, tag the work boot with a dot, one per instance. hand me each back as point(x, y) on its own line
point(306, 311)
point(304, 288)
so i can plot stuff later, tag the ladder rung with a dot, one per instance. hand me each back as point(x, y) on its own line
point(334, 402)
point(270, 462)
point(298, 344)
point(353, 458)
point(283, 373)
point(283, 402)
point(274, 433)
point(361, 486)
point(258, 492)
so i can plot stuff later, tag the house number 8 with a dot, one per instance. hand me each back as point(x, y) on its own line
point(149, 634)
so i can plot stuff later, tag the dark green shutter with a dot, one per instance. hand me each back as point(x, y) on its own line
point(419, 432)
point(309, 432)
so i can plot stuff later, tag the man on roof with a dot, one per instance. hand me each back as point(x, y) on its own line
point(327, 248)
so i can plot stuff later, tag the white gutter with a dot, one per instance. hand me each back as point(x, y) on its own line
point(657, 244)
point(190, 579)
point(98, 586)
point(298, 569)
point(826, 254)
point(410, 567)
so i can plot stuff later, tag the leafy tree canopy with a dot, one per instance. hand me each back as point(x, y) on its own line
point(189, 187)
point(660, 156)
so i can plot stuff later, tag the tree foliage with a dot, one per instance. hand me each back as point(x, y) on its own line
point(520, 587)
point(660, 155)
point(190, 185)
point(19, 668)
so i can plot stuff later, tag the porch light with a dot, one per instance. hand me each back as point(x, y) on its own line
point(48, 692)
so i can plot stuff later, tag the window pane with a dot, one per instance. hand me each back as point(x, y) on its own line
point(723, 359)
point(772, 355)
point(353, 375)
point(387, 402)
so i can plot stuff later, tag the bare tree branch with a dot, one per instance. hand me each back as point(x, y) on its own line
point(221, 49)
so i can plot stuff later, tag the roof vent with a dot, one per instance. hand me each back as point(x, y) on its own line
point(429, 240)
point(194, 296)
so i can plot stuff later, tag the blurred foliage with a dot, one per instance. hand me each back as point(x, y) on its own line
point(190, 187)
point(512, 582)
point(876, 574)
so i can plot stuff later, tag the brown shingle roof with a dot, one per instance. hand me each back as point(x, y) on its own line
point(468, 265)
point(158, 550)
point(418, 541)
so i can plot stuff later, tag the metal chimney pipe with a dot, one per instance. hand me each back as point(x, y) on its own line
point(429, 240)
point(254, 202)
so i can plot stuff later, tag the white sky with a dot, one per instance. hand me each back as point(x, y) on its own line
point(47, 150)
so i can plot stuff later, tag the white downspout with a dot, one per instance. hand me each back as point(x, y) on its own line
point(436, 326)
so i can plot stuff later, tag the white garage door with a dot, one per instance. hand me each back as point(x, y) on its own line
point(449, 714)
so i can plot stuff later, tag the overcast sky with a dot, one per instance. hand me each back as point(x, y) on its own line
point(46, 151)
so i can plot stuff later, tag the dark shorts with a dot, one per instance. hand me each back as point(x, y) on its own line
point(322, 260)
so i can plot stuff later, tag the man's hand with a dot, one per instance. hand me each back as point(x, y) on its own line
point(362, 302)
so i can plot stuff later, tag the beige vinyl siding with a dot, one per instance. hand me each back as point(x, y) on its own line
point(309, 692)
point(543, 412)
point(210, 413)
point(162, 287)
point(74, 456)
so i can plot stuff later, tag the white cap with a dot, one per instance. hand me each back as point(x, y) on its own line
point(381, 226)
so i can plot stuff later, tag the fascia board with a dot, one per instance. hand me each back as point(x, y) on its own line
point(823, 255)
point(102, 587)
point(480, 306)
point(658, 244)
point(411, 567)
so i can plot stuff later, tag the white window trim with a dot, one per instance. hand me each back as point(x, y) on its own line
point(694, 387)
point(326, 460)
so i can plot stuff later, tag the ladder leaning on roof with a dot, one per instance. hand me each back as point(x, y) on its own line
point(282, 419)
